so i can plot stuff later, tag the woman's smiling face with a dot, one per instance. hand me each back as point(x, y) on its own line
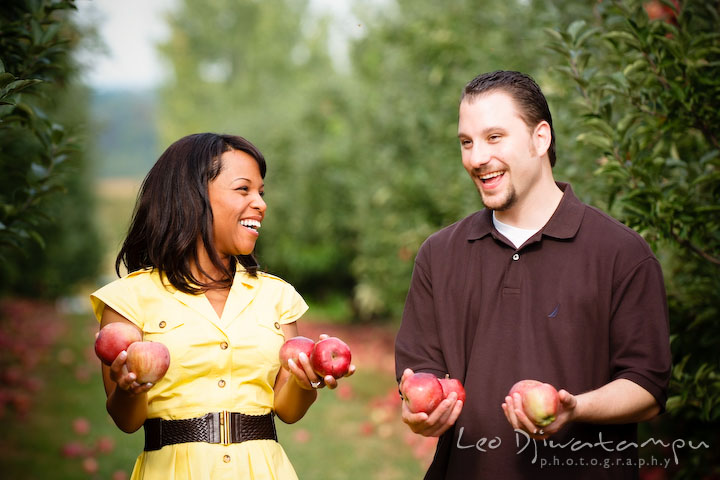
point(236, 199)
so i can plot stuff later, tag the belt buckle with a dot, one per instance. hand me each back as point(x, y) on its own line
point(225, 428)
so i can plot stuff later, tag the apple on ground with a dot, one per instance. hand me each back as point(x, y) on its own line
point(331, 356)
point(113, 338)
point(149, 361)
point(450, 385)
point(540, 401)
point(292, 348)
point(422, 392)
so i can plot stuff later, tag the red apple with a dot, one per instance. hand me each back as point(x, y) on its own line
point(148, 360)
point(331, 356)
point(113, 339)
point(540, 401)
point(292, 348)
point(450, 385)
point(422, 392)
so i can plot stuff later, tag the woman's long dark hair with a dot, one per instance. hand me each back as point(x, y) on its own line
point(173, 210)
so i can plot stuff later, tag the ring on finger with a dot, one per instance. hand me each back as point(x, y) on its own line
point(316, 384)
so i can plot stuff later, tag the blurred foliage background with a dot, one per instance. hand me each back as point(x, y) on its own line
point(357, 117)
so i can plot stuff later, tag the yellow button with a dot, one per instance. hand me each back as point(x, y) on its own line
point(277, 325)
point(221, 383)
point(162, 324)
point(224, 345)
point(226, 459)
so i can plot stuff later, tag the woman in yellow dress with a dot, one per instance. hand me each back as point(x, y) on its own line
point(194, 285)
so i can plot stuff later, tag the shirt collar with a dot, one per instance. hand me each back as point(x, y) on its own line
point(564, 222)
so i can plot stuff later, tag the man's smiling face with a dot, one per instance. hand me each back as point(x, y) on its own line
point(498, 149)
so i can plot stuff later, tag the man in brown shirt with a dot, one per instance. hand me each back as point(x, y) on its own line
point(536, 286)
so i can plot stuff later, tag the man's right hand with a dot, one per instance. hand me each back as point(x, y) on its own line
point(438, 421)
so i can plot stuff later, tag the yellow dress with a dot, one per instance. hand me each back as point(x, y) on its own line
point(228, 363)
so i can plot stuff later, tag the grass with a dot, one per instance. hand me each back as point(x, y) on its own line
point(68, 411)
point(349, 433)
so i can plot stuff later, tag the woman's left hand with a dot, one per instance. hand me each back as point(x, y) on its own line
point(306, 377)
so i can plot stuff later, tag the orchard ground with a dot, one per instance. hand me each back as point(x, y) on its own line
point(55, 424)
point(53, 411)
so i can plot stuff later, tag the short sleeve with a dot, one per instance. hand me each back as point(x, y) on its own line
point(120, 295)
point(417, 344)
point(291, 305)
point(640, 331)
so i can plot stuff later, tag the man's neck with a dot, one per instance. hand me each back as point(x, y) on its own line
point(535, 209)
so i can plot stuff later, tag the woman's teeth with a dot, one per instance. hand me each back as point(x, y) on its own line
point(254, 224)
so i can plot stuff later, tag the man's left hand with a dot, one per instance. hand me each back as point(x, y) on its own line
point(515, 415)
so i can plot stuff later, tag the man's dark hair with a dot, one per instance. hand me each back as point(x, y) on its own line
point(524, 91)
point(173, 211)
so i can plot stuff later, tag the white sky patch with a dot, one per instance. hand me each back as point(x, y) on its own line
point(130, 30)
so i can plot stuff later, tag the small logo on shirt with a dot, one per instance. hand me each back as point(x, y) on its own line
point(554, 313)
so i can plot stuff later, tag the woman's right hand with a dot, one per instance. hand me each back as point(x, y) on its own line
point(124, 379)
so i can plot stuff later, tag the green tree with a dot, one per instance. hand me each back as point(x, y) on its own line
point(262, 70)
point(47, 240)
point(362, 160)
point(409, 67)
point(648, 91)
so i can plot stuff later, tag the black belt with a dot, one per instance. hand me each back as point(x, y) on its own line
point(218, 427)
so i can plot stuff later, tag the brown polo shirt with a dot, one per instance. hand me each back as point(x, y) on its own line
point(580, 304)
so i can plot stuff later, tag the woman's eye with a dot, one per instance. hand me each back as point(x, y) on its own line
point(262, 194)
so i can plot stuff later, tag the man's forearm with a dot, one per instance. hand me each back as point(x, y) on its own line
point(620, 401)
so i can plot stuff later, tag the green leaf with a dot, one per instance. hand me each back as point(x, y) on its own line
point(553, 33)
point(586, 35)
point(623, 37)
point(674, 403)
point(36, 31)
point(50, 32)
point(602, 126)
point(18, 85)
point(574, 28)
point(596, 140)
point(6, 78)
point(636, 65)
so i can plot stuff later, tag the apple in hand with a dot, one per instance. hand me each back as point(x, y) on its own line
point(292, 349)
point(113, 338)
point(540, 401)
point(422, 392)
point(331, 356)
point(148, 361)
point(450, 385)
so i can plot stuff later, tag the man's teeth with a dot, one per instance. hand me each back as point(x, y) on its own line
point(490, 175)
point(254, 224)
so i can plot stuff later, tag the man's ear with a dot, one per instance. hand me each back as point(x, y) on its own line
point(542, 137)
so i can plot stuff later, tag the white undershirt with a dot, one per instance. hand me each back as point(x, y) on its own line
point(516, 235)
